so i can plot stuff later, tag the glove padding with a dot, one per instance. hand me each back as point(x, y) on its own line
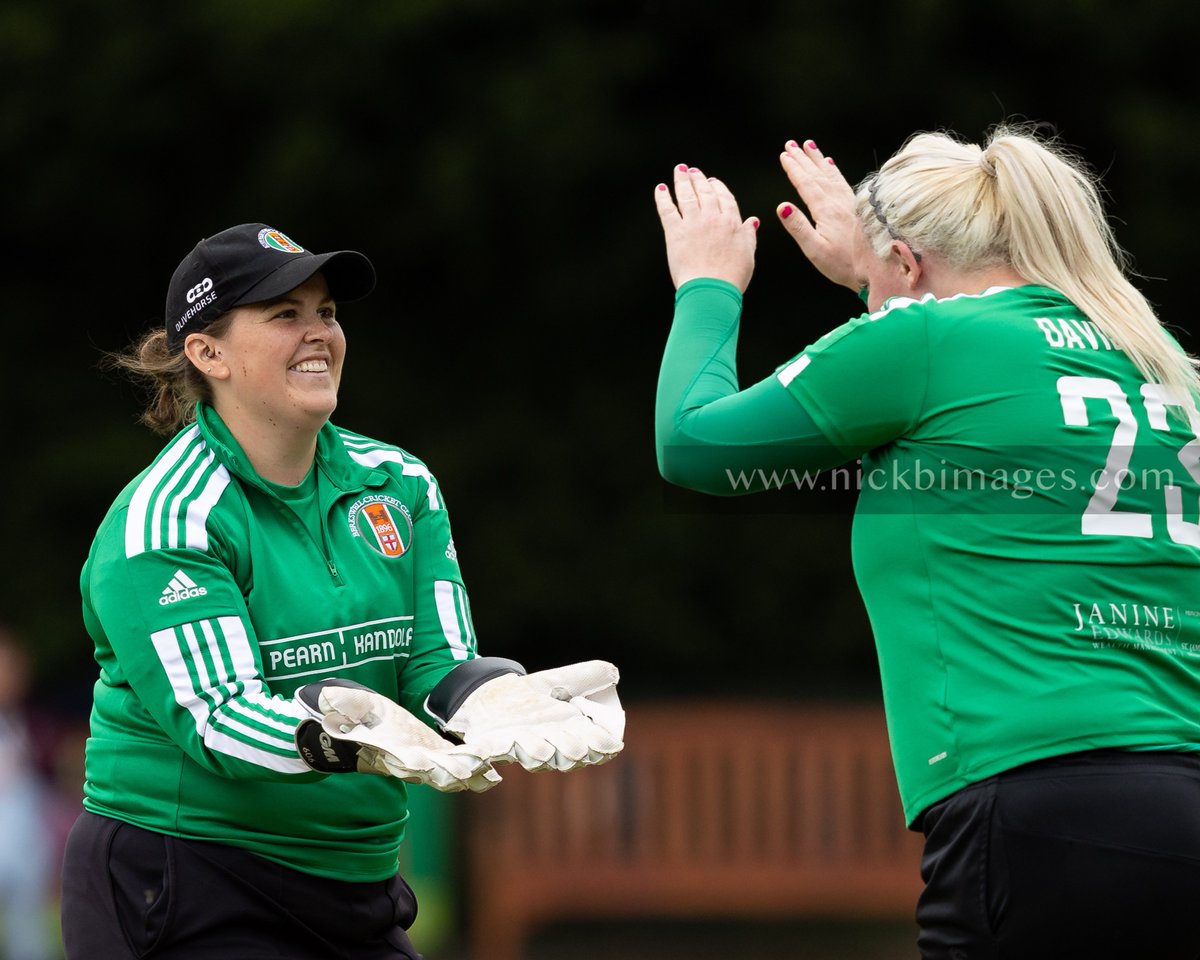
point(557, 719)
point(356, 729)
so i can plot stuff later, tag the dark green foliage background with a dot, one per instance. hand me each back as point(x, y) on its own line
point(497, 162)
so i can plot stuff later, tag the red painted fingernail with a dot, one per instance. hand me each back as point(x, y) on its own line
point(682, 168)
point(662, 186)
point(786, 212)
point(810, 144)
point(791, 143)
point(755, 219)
point(829, 159)
point(693, 169)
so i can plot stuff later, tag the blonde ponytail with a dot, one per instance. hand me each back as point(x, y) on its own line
point(1026, 202)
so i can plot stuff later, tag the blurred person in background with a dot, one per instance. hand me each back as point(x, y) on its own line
point(1027, 534)
point(27, 853)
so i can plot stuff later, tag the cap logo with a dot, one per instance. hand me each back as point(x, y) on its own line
point(274, 240)
point(199, 290)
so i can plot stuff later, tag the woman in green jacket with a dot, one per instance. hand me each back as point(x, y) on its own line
point(284, 639)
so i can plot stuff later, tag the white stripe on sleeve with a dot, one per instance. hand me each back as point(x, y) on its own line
point(207, 698)
point(139, 504)
point(173, 513)
point(794, 369)
point(447, 607)
point(199, 509)
point(374, 458)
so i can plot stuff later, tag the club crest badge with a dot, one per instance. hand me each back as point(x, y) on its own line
point(383, 523)
point(275, 240)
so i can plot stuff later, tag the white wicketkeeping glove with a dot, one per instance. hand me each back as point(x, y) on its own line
point(355, 729)
point(557, 719)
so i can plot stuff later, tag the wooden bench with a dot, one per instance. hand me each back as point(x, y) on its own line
point(713, 809)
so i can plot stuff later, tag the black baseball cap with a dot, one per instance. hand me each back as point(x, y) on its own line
point(251, 263)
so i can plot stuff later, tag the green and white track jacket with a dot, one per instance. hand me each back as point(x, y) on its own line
point(211, 599)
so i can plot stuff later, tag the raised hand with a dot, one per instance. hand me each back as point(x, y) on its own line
point(831, 236)
point(706, 235)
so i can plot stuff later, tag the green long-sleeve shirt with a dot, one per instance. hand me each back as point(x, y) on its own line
point(211, 595)
point(1027, 533)
point(711, 436)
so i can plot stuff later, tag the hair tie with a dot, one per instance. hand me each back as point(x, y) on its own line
point(987, 166)
point(877, 207)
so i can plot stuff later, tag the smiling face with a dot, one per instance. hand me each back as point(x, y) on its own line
point(277, 366)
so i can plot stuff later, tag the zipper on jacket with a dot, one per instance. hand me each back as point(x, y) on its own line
point(323, 546)
point(320, 544)
point(323, 512)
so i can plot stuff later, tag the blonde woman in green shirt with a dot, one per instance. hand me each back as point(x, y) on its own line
point(1023, 434)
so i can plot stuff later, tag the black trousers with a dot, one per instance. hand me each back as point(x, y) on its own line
point(129, 894)
point(1091, 855)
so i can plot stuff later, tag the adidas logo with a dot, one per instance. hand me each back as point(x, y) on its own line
point(181, 587)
